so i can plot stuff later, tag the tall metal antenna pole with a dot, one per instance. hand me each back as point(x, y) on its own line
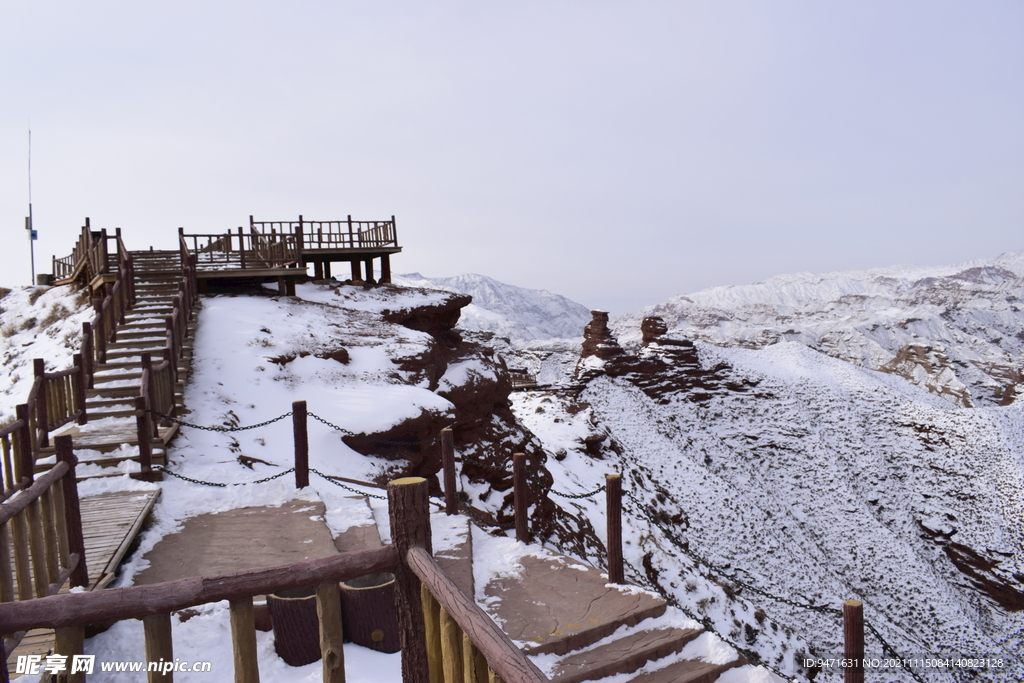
point(28, 221)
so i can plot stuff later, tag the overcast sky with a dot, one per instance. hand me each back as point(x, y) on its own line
point(618, 153)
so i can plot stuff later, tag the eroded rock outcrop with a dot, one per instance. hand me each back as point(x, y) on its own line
point(662, 367)
point(929, 368)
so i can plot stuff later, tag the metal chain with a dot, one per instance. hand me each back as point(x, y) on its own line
point(578, 495)
point(221, 429)
point(331, 424)
point(886, 647)
point(705, 621)
point(347, 488)
point(220, 484)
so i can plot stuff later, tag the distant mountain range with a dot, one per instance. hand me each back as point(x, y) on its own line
point(509, 311)
point(957, 330)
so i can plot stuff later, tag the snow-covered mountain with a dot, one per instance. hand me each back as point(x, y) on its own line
point(956, 330)
point(811, 479)
point(509, 311)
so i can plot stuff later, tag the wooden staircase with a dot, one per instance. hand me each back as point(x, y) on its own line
point(116, 383)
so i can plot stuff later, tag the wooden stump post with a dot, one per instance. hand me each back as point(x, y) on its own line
point(520, 497)
point(332, 640)
point(301, 444)
point(42, 414)
point(25, 463)
point(243, 641)
point(853, 640)
point(80, 380)
point(409, 510)
point(451, 504)
point(159, 648)
point(144, 429)
point(613, 509)
point(72, 511)
point(87, 353)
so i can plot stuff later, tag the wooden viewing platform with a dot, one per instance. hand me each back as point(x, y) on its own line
point(282, 250)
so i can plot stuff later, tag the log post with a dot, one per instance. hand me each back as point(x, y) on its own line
point(72, 511)
point(144, 430)
point(332, 639)
point(69, 642)
point(25, 460)
point(42, 414)
point(241, 246)
point(301, 444)
point(385, 269)
point(520, 497)
point(432, 632)
point(357, 270)
point(243, 640)
point(87, 353)
point(157, 630)
point(451, 649)
point(613, 509)
point(451, 504)
point(408, 505)
point(853, 641)
point(80, 381)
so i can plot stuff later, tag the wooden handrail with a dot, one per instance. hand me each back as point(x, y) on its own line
point(502, 655)
point(135, 602)
point(28, 496)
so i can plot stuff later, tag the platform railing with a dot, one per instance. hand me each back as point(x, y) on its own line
point(41, 541)
point(492, 656)
point(346, 234)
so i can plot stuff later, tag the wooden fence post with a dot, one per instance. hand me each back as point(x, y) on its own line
point(301, 444)
point(853, 641)
point(520, 497)
point(408, 506)
point(159, 647)
point(72, 512)
point(144, 430)
point(42, 412)
point(26, 457)
point(87, 353)
point(332, 638)
point(613, 510)
point(79, 381)
point(451, 504)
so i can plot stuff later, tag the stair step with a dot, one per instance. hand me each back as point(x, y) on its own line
point(622, 655)
point(128, 391)
point(687, 671)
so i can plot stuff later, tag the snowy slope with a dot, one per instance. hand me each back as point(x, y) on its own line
point(510, 311)
point(960, 328)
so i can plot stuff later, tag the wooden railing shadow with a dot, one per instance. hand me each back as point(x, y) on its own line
point(445, 637)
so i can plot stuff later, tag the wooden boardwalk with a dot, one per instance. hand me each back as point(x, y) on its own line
point(110, 523)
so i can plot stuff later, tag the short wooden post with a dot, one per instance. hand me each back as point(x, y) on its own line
point(42, 414)
point(520, 497)
point(301, 444)
point(318, 269)
point(613, 510)
point(408, 506)
point(357, 270)
point(451, 504)
point(432, 633)
point(80, 381)
point(385, 269)
point(853, 641)
point(144, 431)
point(25, 462)
point(87, 353)
point(243, 641)
point(241, 247)
point(327, 269)
point(451, 649)
point(69, 642)
point(72, 511)
point(159, 649)
point(332, 639)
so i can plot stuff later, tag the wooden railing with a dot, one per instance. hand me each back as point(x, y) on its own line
point(253, 250)
point(41, 542)
point(346, 234)
point(489, 656)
